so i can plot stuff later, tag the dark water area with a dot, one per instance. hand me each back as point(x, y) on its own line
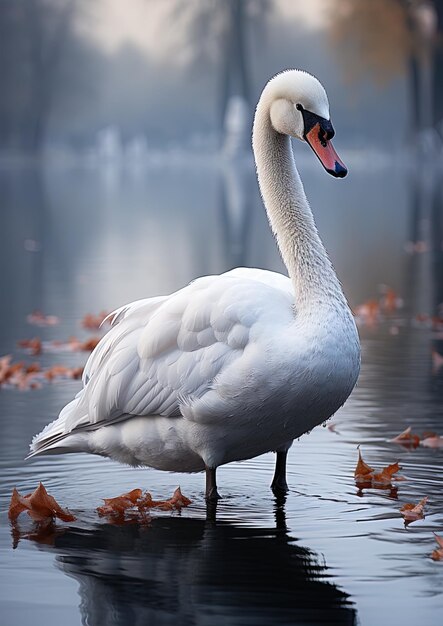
point(75, 240)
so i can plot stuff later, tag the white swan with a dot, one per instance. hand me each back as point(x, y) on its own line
point(236, 365)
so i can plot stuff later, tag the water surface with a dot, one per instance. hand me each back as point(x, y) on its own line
point(78, 240)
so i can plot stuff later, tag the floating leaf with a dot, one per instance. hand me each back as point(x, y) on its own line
point(135, 499)
point(434, 441)
point(437, 554)
point(412, 512)
point(363, 472)
point(117, 506)
point(39, 505)
point(37, 318)
point(30, 376)
point(93, 322)
point(34, 346)
point(385, 477)
point(407, 438)
point(366, 476)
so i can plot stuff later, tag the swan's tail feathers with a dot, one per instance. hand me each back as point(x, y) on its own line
point(57, 438)
point(63, 445)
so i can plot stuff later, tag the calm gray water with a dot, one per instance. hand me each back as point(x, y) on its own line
point(80, 240)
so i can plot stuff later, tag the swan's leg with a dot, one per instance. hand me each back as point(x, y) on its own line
point(212, 494)
point(279, 484)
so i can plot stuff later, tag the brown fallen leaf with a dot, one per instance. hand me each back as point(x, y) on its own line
point(61, 371)
point(363, 472)
point(74, 345)
point(118, 505)
point(135, 499)
point(93, 322)
point(177, 501)
point(39, 505)
point(30, 376)
point(390, 300)
point(5, 364)
point(407, 439)
point(437, 554)
point(434, 441)
point(385, 477)
point(368, 313)
point(366, 476)
point(34, 345)
point(413, 512)
point(37, 318)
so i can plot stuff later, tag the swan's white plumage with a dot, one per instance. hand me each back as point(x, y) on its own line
point(231, 366)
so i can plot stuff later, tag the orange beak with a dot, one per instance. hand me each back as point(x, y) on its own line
point(325, 152)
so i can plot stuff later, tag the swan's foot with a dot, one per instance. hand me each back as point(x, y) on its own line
point(212, 494)
point(279, 485)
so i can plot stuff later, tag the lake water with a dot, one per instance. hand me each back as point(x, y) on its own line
point(75, 240)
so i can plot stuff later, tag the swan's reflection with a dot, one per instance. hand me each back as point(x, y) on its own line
point(192, 571)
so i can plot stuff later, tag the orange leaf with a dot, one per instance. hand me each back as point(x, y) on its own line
point(407, 438)
point(39, 505)
point(437, 554)
point(17, 505)
point(118, 505)
point(362, 469)
point(386, 475)
point(37, 318)
point(366, 476)
point(93, 322)
point(33, 345)
point(433, 442)
point(412, 512)
point(177, 501)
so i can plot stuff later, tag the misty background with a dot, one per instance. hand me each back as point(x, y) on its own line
point(161, 73)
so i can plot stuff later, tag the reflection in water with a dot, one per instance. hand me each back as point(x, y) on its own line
point(190, 571)
point(424, 278)
point(236, 202)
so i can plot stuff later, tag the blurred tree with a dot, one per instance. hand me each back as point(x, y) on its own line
point(220, 30)
point(388, 37)
point(33, 37)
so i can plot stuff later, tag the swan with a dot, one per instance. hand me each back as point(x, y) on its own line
point(238, 364)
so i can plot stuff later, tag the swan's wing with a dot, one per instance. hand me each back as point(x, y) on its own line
point(174, 355)
point(133, 315)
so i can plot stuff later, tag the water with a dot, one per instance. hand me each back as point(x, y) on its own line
point(78, 240)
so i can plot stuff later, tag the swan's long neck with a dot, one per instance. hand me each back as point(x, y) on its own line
point(313, 277)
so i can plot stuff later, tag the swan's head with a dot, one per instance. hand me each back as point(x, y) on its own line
point(299, 107)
